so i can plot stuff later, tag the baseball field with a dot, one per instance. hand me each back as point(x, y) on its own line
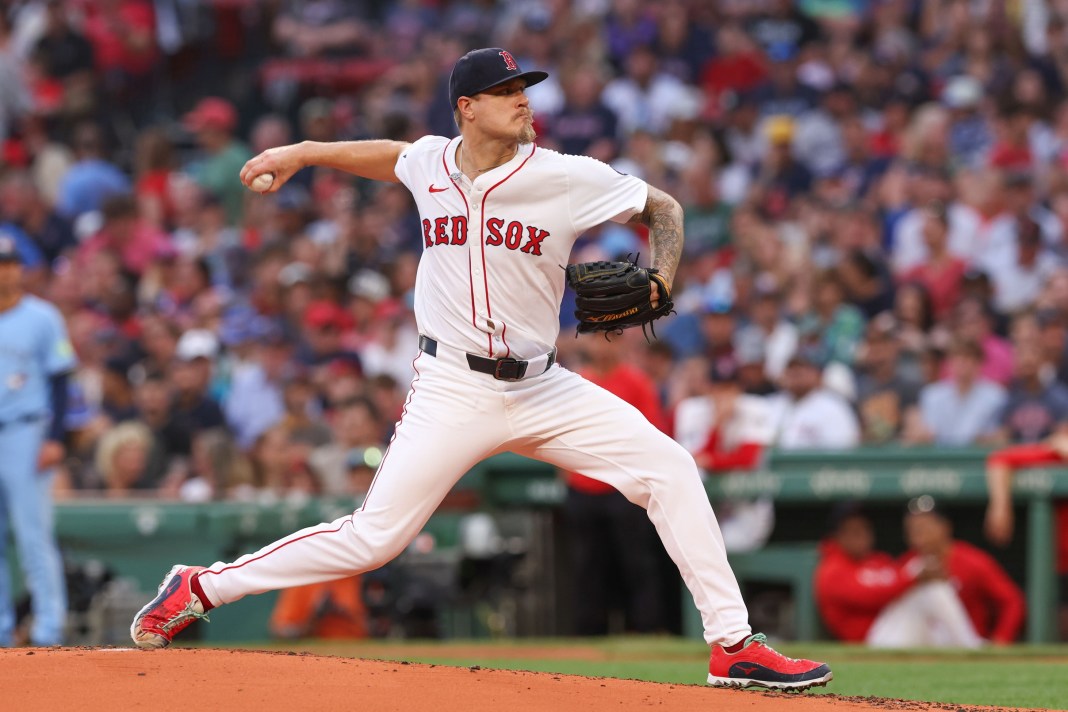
point(557, 674)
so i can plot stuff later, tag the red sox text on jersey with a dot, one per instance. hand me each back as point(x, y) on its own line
point(452, 230)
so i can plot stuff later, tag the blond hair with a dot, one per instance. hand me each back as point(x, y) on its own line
point(130, 432)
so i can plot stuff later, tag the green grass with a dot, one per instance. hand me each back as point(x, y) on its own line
point(1020, 676)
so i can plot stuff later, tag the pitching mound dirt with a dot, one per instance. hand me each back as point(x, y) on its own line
point(110, 679)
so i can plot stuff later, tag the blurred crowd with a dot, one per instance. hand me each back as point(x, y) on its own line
point(875, 196)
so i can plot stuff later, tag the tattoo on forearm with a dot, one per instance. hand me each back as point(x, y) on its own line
point(663, 215)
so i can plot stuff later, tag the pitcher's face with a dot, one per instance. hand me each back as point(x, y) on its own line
point(504, 111)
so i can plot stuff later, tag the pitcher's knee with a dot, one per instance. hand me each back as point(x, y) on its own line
point(373, 547)
point(667, 472)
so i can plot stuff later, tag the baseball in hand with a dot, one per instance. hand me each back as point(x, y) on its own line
point(262, 182)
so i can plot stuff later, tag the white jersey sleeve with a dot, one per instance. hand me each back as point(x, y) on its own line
point(599, 192)
point(412, 160)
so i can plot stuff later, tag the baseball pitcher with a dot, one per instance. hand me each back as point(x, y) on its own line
point(499, 218)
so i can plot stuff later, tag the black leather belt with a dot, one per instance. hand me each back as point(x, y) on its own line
point(503, 369)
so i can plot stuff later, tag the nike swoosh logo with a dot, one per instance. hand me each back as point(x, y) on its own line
point(172, 588)
point(437, 190)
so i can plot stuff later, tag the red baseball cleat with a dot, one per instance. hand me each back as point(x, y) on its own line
point(758, 665)
point(173, 608)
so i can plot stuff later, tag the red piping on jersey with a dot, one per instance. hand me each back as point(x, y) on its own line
point(467, 208)
point(482, 241)
point(508, 349)
point(281, 546)
point(404, 411)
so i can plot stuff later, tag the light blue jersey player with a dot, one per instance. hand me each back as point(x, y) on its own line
point(35, 360)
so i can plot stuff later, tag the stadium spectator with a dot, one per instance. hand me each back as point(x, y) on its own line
point(92, 179)
point(887, 385)
point(585, 125)
point(768, 331)
point(974, 321)
point(941, 273)
point(125, 49)
point(153, 176)
point(122, 458)
point(321, 29)
point(645, 97)
point(1018, 280)
point(213, 122)
point(23, 207)
point(1034, 406)
point(117, 401)
point(303, 416)
point(780, 177)
point(833, 326)
point(123, 232)
point(808, 415)
point(961, 410)
point(356, 443)
point(864, 279)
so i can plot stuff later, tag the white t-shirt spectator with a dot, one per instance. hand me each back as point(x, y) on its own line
point(818, 142)
point(1017, 287)
point(778, 346)
point(391, 354)
point(745, 525)
point(821, 420)
point(751, 423)
point(651, 108)
point(981, 243)
point(253, 405)
point(960, 419)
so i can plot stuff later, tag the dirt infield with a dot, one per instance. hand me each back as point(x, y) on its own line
point(110, 679)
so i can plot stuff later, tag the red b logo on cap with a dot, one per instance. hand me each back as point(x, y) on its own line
point(509, 62)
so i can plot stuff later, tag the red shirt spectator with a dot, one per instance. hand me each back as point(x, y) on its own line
point(993, 601)
point(853, 581)
point(724, 429)
point(739, 65)
point(941, 280)
point(851, 592)
point(632, 385)
point(123, 35)
point(942, 272)
point(136, 242)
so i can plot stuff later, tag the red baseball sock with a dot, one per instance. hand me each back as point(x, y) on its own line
point(194, 585)
point(736, 647)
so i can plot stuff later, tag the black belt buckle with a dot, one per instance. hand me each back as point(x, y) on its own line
point(508, 369)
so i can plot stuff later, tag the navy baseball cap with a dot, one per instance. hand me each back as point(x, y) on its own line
point(9, 251)
point(482, 69)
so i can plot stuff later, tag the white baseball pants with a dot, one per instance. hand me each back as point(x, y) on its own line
point(929, 615)
point(454, 418)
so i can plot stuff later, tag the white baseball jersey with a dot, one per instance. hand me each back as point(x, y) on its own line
point(475, 289)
